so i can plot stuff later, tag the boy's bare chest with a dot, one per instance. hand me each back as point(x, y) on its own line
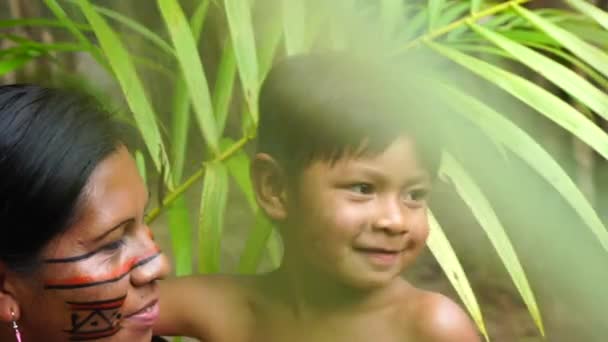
point(280, 328)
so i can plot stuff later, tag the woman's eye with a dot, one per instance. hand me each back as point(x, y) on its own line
point(114, 245)
point(362, 188)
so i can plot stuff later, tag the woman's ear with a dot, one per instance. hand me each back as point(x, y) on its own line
point(270, 185)
point(8, 302)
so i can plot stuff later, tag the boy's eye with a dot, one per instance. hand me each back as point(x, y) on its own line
point(362, 188)
point(417, 195)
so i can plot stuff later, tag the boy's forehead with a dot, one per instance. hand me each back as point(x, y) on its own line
point(399, 155)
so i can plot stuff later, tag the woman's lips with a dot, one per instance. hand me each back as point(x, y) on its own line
point(146, 317)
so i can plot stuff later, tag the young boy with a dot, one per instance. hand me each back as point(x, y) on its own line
point(344, 165)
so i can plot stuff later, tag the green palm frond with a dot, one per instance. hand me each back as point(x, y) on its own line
point(567, 48)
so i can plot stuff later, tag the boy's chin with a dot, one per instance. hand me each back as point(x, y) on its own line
point(369, 280)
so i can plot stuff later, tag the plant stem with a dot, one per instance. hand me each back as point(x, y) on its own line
point(460, 22)
point(171, 197)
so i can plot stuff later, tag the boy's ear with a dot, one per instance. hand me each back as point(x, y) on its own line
point(8, 303)
point(270, 185)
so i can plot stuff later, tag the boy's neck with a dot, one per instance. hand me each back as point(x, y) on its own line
point(311, 294)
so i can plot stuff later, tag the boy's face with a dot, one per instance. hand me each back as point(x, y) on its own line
point(362, 220)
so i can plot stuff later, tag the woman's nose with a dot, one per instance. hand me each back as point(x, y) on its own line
point(153, 264)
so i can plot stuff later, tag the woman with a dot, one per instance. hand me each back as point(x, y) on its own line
point(77, 261)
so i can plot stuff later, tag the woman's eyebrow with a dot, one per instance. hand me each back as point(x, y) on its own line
point(109, 231)
point(90, 254)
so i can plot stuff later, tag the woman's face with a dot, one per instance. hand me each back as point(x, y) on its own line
point(98, 279)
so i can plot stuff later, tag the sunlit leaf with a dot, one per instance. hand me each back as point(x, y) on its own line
point(585, 51)
point(446, 257)
point(472, 195)
point(192, 69)
point(561, 76)
point(178, 218)
point(434, 12)
point(243, 41)
point(124, 70)
point(588, 9)
point(58, 11)
point(525, 147)
point(536, 97)
point(211, 219)
point(180, 120)
point(224, 85)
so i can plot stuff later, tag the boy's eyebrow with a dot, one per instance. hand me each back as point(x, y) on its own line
point(419, 177)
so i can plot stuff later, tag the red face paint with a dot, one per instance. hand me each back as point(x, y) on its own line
point(110, 277)
point(151, 234)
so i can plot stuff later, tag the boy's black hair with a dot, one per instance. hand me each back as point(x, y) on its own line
point(50, 143)
point(321, 107)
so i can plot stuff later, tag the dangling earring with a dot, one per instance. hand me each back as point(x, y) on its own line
point(16, 327)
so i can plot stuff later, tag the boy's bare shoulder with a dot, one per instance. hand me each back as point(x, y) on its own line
point(434, 317)
point(210, 307)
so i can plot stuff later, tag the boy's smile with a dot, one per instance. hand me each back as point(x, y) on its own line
point(361, 219)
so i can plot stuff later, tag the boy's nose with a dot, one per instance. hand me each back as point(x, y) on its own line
point(391, 219)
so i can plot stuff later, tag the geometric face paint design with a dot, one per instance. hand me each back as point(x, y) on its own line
point(94, 320)
point(115, 275)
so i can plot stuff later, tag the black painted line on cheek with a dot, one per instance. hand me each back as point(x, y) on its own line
point(72, 259)
point(96, 319)
point(70, 285)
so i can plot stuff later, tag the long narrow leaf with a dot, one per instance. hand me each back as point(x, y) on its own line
point(122, 66)
point(180, 120)
point(262, 236)
point(595, 34)
point(140, 161)
point(255, 244)
point(294, 25)
point(238, 167)
point(269, 39)
point(178, 217)
point(446, 257)
point(520, 143)
point(536, 97)
point(9, 65)
point(453, 12)
point(192, 69)
point(472, 195)
point(591, 11)
point(74, 29)
point(138, 28)
point(241, 33)
point(224, 84)
point(28, 22)
point(180, 124)
point(434, 12)
point(211, 222)
point(585, 51)
point(476, 5)
point(561, 76)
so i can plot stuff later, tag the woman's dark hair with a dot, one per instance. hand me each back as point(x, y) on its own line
point(50, 142)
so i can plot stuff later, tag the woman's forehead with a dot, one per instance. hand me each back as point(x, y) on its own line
point(114, 193)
